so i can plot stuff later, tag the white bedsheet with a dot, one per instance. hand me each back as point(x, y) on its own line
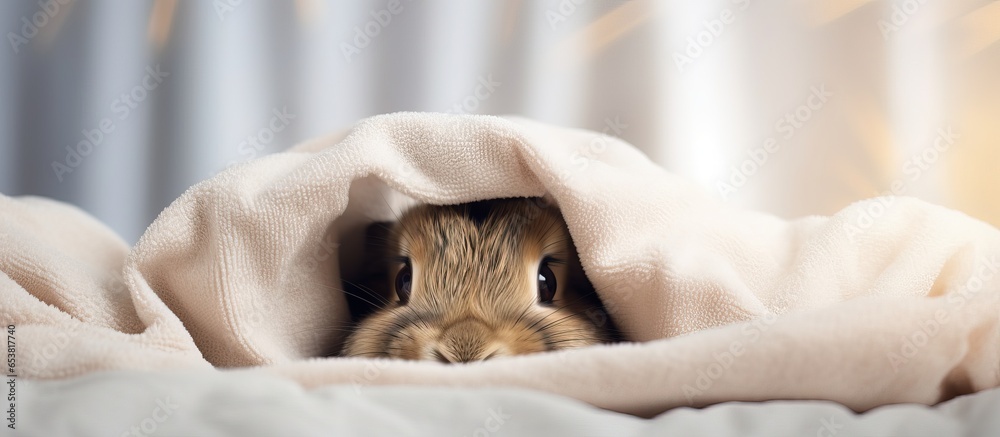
point(211, 403)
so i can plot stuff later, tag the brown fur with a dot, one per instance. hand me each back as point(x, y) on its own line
point(474, 288)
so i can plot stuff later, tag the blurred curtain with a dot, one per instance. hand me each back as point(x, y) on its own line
point(790, 107)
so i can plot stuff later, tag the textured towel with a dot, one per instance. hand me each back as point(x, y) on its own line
point(890, 300)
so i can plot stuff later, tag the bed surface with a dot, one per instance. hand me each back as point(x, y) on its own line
point(243, 403)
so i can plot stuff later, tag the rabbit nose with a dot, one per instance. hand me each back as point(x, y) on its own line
point(465, 341)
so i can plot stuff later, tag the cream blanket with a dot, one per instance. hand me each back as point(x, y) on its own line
point(890, 300)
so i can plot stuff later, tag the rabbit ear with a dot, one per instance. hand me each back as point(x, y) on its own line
point(371, 291)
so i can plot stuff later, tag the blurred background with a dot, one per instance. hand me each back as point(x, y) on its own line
point(790, 107)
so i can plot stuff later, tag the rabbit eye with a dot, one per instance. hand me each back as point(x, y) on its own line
point(546, 283)
point(404, 280)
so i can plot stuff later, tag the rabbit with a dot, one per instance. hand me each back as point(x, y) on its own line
point(477, 281)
